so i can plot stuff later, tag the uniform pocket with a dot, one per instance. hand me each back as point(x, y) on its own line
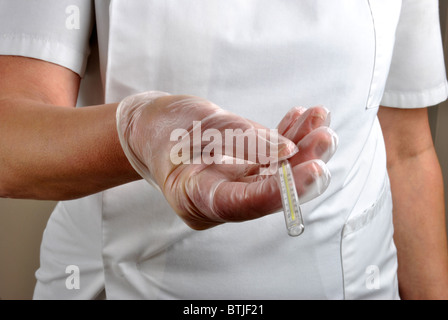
point(368, 252)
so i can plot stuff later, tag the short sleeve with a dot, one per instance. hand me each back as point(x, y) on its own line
point(417, 76)
point(56, 31)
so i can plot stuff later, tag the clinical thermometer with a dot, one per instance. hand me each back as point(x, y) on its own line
point(290, 200)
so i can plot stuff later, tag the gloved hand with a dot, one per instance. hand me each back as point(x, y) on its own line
point(309, 129)
point(156, 129)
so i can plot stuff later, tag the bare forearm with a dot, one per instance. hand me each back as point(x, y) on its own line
point(419, 219)
point(50, 152)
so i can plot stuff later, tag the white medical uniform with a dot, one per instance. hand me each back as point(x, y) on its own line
point(257, 58)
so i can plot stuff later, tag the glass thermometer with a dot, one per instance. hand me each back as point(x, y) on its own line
point(290, 200)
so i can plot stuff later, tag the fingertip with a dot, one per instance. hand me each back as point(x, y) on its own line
point(287, 149)
point(321, 116)
point(290, 118)
point(312, 178)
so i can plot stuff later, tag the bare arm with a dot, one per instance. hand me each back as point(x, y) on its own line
point(419, 213)
point(49, 149)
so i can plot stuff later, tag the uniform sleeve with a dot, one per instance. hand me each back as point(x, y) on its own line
point(56, 31)
point(417, 77)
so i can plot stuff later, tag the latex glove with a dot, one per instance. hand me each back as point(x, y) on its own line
point(316, 141)
point(208, 194)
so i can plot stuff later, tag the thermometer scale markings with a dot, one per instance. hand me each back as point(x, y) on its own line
point(290, 200)
point(285, 178)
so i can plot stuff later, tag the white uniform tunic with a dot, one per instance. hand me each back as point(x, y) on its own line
point(257, 58)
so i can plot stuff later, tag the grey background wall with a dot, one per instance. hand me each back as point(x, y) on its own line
point(21, 225)
point(22, 221)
